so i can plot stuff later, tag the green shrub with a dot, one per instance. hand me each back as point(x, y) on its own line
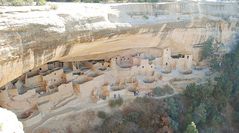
point(133, 116)
point(217, 119)
point(236, 117)
point(115, 102)
point(145, 17)
point(20, 2)
point(153, 1)
point(207, 49)
point(142, 115)
point(102, 114)
point(191, 128)
point(158, 91)
point(200, 114)
point(41, 2)
point(89, 1)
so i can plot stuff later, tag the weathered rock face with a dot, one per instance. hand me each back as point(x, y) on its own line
point(32, 36)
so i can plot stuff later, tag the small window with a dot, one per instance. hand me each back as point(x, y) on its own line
point(166, 64)
point(55, 73)
point(142, 66)
point(188, 57)
point(151, 66)
point(39, 68)
point(30, 70)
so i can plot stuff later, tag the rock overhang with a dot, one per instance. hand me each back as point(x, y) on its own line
point(32, 36)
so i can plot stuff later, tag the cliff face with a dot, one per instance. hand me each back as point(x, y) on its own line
point(32, 36)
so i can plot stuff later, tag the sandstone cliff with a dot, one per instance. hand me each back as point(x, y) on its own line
point(32, 36)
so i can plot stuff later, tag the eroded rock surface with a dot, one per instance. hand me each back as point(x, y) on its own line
point(32, 36)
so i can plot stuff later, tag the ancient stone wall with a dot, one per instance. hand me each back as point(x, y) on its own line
point(54, 78)
point(34, 82)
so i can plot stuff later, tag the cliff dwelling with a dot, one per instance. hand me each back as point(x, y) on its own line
point(56, 85)
point(67, 61)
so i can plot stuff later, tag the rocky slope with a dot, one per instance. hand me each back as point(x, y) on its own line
point(32, 36)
